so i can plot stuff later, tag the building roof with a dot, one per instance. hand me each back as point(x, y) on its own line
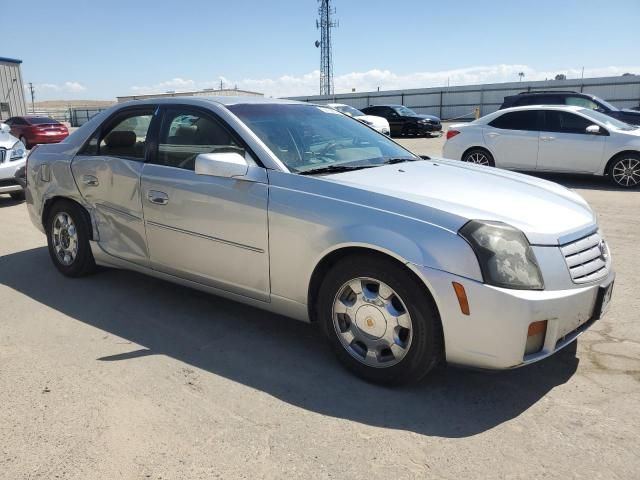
point(10, 60)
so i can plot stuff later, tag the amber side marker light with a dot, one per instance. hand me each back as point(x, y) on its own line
point(537, 327)
point(462, 297)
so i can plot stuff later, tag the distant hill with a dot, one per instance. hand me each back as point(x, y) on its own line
point(70, 103)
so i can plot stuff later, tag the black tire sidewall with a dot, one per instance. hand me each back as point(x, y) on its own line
point(84, 262)
point(426, 344)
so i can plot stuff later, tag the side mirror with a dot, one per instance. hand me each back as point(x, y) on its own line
point(593, 130)
point(4, 128)
point(222, 164)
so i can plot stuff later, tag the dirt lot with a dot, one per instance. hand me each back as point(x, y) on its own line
point(122, 376)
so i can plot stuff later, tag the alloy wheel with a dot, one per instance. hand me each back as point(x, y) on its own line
point(626, 172)
point(372, 322)
point(64, 236)
point(478, 158)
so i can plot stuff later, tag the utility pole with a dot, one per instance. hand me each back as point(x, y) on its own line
point(325, 24)
point(33, 96)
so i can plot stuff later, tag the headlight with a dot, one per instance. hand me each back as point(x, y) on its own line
point(18, 151)
point(504, 255)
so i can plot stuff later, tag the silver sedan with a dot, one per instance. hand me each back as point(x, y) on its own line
point(404, 262)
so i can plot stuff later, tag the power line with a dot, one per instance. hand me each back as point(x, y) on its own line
point(33, 96)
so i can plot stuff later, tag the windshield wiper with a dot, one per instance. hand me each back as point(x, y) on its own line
point(334, 169)
point(392, 161)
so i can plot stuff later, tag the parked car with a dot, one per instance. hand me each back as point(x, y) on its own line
point(404, 121)
point(377, 123)
point(36, 130)
point(295, 209)
point(13, 155)
point(551, 139)
point(577, 99)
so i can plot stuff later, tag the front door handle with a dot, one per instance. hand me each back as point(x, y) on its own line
point(90, 181)
point(547, 139)
point(493, 134)
point(159, 198)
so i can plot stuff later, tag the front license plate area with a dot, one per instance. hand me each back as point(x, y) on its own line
point(602, 301)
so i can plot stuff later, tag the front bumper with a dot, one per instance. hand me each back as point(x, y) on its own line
point(494, 335)
point(8, 169)
point(429, 127)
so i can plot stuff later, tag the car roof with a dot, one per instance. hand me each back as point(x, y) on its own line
point(546, 92)
point(566, 108)
point(204, 101)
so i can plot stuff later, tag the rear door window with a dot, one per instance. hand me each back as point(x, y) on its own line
point(524, 120)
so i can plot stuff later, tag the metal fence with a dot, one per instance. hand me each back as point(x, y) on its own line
point(75, 117)
point(461, 101)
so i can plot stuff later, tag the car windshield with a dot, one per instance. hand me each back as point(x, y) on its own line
point(606, 104)
point(42, 121)
point(405, 112)
point(606, 120)
point(347, 110)
point(308, 138)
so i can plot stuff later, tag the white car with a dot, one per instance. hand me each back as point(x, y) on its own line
point(377, 123)
point(13, 156)
point(550, 138)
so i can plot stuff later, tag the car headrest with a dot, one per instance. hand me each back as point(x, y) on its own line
point(120, 139)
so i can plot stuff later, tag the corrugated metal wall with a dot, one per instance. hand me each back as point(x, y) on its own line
point(12, 101)
point(460, 102)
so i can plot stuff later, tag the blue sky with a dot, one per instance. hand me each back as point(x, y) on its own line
point(97, 50)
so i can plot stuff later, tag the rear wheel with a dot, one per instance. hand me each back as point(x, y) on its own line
point(68, 233)
point(380, 322)
point(625, 171)
point(479, 156)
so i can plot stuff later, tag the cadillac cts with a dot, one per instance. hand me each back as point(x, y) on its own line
point(302, 211)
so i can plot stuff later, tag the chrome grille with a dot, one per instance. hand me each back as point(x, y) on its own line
point(2, 154)
point(587, 258)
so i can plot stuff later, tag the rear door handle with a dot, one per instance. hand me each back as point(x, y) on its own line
point(159, 198)
point(90, 181)
point(547, 139)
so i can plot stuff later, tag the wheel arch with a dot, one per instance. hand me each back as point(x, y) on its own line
point(477, 147)
point(338, 254)
point(50, 202)
point(607, 168)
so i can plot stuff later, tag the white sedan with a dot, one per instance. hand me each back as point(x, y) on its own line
point(551, 139)
point(379, 124)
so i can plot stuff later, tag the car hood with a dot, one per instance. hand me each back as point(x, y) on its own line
point(543, 210)
point(7, 140)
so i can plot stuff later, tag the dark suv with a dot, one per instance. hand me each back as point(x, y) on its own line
point(585, 100)
point(404, 121)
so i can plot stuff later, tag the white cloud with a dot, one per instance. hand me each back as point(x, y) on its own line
point(66, 87)
point(173, 84)
point(308, 83)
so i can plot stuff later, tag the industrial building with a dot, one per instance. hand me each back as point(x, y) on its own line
point(12, 101)
point(207, 92)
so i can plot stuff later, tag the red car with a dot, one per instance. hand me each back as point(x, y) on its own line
point(34, 130)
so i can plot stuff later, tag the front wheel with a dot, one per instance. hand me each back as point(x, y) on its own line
point(625, 171)
point(23, 139)
point(68, 233)
point(381, 322)
point(479, 156)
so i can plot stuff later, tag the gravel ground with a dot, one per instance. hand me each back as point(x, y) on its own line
point(122, 376)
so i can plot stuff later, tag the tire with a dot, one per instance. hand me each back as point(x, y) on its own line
point(624, 171)
point(17, 196)
point(63, 240)
point(416, 349)
point(479, 156)
point(25, 143)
